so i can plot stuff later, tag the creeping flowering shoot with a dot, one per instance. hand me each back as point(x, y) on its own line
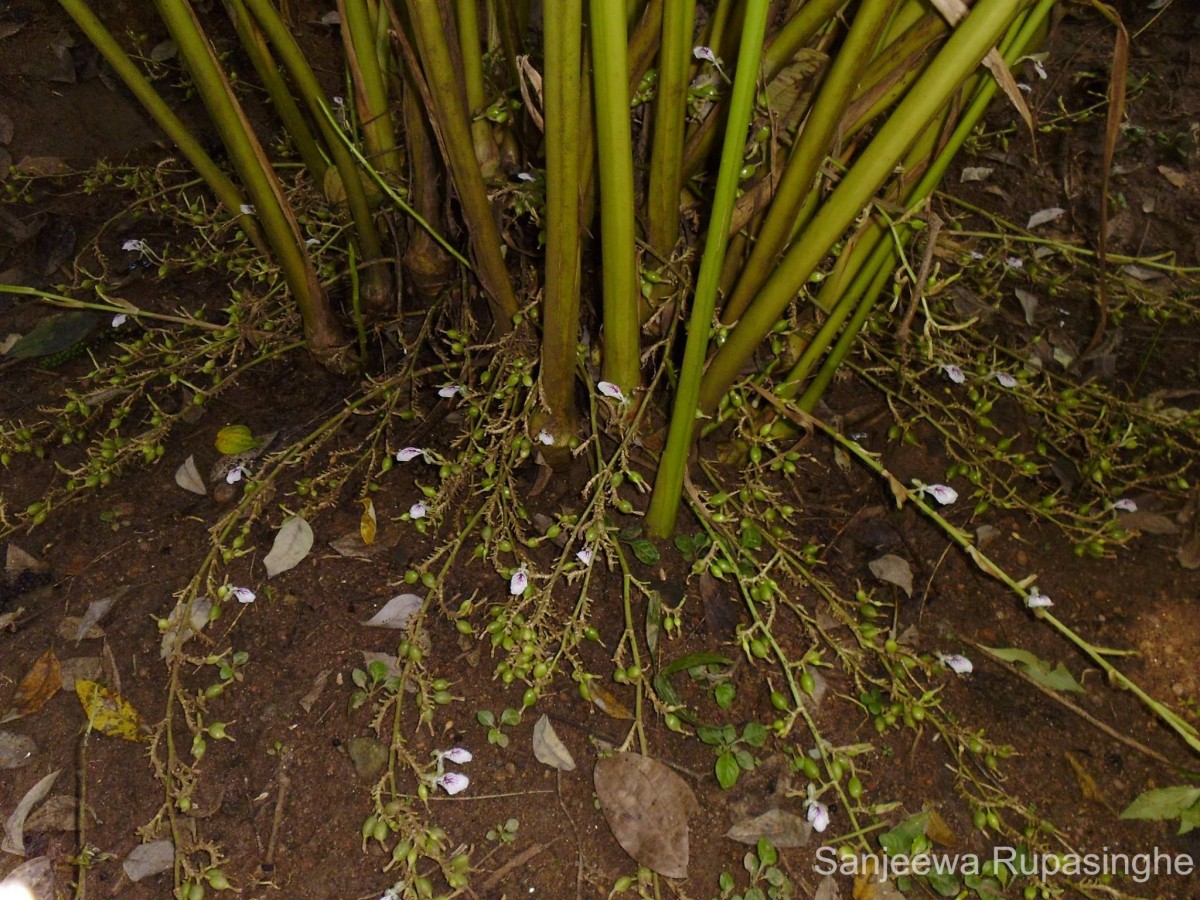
point(608, 389)
point(954, 373)
point(1037, 600)
point(518, 582)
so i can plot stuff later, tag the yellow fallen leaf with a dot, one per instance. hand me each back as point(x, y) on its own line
point(108, 711)
point(40, 683)
point(367, 524)
point(235, 439)
point(607, 703)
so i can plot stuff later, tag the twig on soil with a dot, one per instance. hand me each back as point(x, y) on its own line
point(516, 862)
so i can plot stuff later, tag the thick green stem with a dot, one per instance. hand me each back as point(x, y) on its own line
point(560, 317)
point(370, 88)
point(450, 115)
point(615, 158)
point(963, 51)
point(377, 290)
point(820, 128)
point(668, 485)
point(218, 182)
point(466, 17)
point(321, 329)
point(670, 114)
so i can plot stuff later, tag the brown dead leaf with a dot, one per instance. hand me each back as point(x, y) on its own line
point(647, 807)
point(40, 683)
point(608, 704)
point(938, 829)
point(367, 523)
point(1177, 178)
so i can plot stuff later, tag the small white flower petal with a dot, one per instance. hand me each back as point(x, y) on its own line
point(339, 101)
point(1005, 379)
point(1040, 69)
point(133, 245)
point(1125, 505)
point(453, 782)
point(975, 254)
point(417, 510)
point(234, 475)
point(458, 755)
point(704, 53)
point(957, 663)
point(1014, 262)
point(1037, 600)
point(545, 437)
point(942, 493)
point(248, 209)
point(518, 583)
point(954, 373)
point(585, 556)
point(818, 816)
point(313, 242)
point(1022, 86)
point(526, 176)
point(408, 454)
point(119, 319)
point(608, 389)
point(243, 595)
point(449, 390)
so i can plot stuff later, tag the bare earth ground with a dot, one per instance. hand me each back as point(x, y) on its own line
point(146, 535)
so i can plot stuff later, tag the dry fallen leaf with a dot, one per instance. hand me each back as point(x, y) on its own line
point(16, 750)
point(397, 612)
point(608, 704)
point(894, 570)
point(14, 826)
point(367, 523)
point(108, 712)
point(548, 748)
point(647, 807)
point(292, 543)
point(187, 476)
point(783, 829)
point(40, 683)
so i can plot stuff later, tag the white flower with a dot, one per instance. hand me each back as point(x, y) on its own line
point(1005, 379)
point(704, 53)
point(458, 755)
point(545, 437)
point(339, 101)
point(453, 782)
point(585, 556)
point(449, 390)
point(954, 373)
point(1125, 505)
point(247, 209)
point(1037, 600)
point(818, 815)
point(234, 475)
point(518, 583)
point(411, 453)
point(975, 254)
point(526, 176)
point(1041, 71)
point(608, 389)
point(942, 493)
point(119, 319)
point(313, 242)
point(1024, 87)
point(1014, 262)
point(417, 510)
point(134, 246)
point(957, 663)
point(243, 595)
